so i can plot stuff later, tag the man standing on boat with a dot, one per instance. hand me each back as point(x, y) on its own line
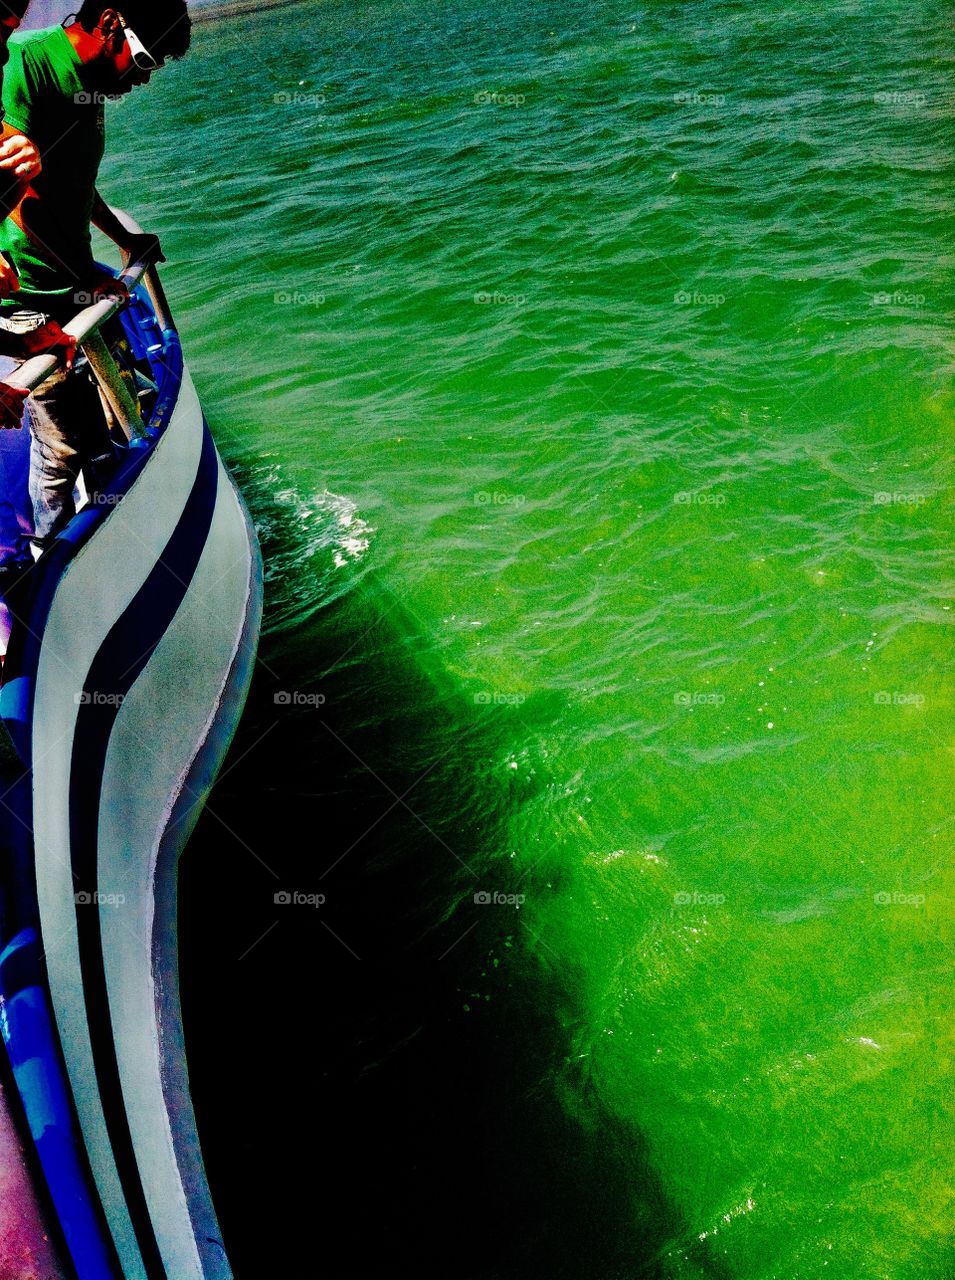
point(54, 93)
point(19, 166)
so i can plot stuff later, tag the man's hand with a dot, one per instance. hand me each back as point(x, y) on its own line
point(50, 339)
point(19, 156)
point(9, 280)
point(111, 288)
point(12, 400)
point(144, 248)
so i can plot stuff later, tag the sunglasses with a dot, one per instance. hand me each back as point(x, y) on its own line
point(141, 55)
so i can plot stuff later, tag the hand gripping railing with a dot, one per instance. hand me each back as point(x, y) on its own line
point(85, 327)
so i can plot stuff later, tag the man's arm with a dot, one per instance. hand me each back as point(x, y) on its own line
point(134, 247)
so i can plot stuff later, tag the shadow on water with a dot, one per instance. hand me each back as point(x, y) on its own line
point(374, 1076)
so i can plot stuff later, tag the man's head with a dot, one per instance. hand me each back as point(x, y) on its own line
point(132, 39)
point(11, 15)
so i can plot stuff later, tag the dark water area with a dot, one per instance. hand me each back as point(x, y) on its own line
point(374, 1088)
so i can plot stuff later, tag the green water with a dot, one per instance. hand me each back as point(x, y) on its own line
point(601, 356)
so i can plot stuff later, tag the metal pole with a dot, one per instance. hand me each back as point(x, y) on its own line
point(126, 409)
point(157, 296)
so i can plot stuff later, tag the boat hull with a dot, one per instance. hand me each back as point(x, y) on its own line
point(122, 695)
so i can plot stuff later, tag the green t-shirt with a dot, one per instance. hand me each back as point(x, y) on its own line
point(44, 98)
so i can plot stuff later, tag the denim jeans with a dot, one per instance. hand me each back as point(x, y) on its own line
point(16, 508)
point(70, 435)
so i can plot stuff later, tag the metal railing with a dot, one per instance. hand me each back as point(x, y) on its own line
point(86, 326)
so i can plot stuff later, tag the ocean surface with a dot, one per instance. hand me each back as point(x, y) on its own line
point(588, 371)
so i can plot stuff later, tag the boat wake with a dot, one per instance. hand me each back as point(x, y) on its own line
point(315, 545)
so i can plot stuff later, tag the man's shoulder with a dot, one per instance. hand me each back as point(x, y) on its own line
point(31, 46)
point(40, 71)
point(40, 55)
